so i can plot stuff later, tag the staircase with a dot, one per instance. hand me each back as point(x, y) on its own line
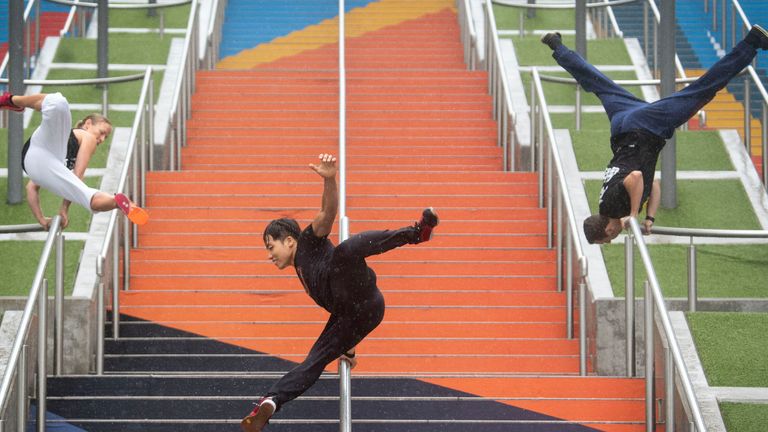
point(474, 333)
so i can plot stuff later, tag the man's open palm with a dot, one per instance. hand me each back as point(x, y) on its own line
point(327, 166)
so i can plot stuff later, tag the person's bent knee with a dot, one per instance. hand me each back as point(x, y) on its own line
point(57, 102)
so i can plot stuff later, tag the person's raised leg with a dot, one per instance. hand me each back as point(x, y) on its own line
point(665, 115)
point(367, 243)
point(615, 99)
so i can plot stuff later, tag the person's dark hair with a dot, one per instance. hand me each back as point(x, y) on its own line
point(594, 227)
point(282, 228)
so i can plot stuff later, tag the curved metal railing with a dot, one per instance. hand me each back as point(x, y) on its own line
point(558, 203)
point(693, 233)
point(25, 353)
point(132, 181)
point(675, 369)
point(181, 101)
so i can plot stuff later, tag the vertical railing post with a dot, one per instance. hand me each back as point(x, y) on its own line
point(100, 319)
point(345, 378)
point(583, 272)
point(629, 298)
point(692, 278)
point(21, 392)
point(764, 136)
point(650, 413)
point(569, 282)
point(58, 316)
point(669, 391)
point(747, 115)
point(42, 355)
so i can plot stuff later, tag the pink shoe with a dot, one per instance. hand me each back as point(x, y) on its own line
point(135, 214)
point(7, 103)
point(259, 417)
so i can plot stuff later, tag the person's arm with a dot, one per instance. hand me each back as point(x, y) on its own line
point(633, 183)
point(33, 200)
point(653, 205)
point(88, 146)
point(323, 222)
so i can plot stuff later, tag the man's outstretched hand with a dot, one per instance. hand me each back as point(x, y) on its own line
point(327, 167)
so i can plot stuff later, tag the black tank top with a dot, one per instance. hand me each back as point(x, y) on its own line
point(73, 146)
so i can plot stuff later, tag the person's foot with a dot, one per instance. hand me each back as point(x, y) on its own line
point(552, 40)
point(426, 224)
point(7, 103)
point(758, 37)
point(259, 417)
point(135, 214)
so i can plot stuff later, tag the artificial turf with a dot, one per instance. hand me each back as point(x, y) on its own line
point(731, 347)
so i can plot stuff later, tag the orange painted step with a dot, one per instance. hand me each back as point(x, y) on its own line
point(287, 201)
point(423, 252)
point(388, 329)
point(447, 227)
point(298, 297)
point(355, 175)
point(244, 313)
point(402, 268)
point(247, 188)
point(251, 240)
point(289, 282)
point(306, 213)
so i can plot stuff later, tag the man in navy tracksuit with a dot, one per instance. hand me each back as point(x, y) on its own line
point(640, 129)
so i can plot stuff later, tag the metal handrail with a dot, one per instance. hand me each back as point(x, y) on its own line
point(18, 360)
point(468, 34)
point(15, 229)
point(345, 368)
point(545, 142)
point(123, 5)
point(132, 181)
point(184, 87)
point(655, 299)
point(83, 81)
point(559, 5)
point(499, 88)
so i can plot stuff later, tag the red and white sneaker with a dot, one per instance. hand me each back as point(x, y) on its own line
point(429, 220)
point(135, 214)
point(7, 103)
point(259, 417)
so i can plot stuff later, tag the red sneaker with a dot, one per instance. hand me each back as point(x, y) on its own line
point(259, 417)
point(135, 214)
point(6, 103)
point(428, 221)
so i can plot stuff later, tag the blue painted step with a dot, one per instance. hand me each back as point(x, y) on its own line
point(249, 23)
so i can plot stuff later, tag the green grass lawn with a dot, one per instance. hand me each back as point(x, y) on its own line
point(508, 18)
point(173, 17)
point(696, 150)
point(731, 347)
point(79, 218)
point(699, 205)
point(744, 417)
point(20, 260)
point(531, 52)
point(723, 271)
point(123, 49)
point(119, 93)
